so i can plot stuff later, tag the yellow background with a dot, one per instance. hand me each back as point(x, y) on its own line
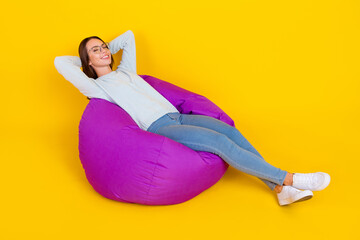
point(286, 71)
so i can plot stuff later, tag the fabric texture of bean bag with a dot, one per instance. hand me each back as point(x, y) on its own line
point(127, 164)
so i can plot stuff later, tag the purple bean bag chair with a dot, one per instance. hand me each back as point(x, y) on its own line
point(127, 164)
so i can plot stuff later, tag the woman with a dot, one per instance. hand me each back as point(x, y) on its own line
point(153, 113)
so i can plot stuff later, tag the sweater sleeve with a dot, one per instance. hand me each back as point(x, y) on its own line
point(125, 41)
point(69, 67)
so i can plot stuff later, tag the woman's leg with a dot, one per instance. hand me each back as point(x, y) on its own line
point(205, 139)
point(221, 127)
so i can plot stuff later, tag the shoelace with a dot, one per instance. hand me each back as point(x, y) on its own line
point(308, 179)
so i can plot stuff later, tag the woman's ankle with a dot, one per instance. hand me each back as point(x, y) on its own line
point(288, 179)
point(278, 188)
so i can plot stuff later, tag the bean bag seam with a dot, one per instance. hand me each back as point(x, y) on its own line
point(156, 165)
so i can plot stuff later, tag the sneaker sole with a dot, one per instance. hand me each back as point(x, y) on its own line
point(304, 195)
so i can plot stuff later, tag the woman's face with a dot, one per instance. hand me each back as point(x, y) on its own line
point(98, 56)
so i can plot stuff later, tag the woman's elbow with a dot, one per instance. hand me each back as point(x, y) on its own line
point(58, 61)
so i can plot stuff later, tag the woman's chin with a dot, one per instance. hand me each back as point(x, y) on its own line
point(106, 63)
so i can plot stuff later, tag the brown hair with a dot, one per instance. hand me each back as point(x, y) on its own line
point(84, 57)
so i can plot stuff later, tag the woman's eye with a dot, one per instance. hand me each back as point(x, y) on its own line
point(95, 50)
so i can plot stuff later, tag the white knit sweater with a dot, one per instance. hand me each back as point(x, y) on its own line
point(122, 86)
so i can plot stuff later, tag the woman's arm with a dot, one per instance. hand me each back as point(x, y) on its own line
point(69, 67)
point(125, 41)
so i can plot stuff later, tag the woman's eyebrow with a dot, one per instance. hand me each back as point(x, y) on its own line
point(97, 45)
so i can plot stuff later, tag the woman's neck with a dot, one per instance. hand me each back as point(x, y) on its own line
point(103, 71)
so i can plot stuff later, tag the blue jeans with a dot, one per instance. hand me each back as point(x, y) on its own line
point(203, 133)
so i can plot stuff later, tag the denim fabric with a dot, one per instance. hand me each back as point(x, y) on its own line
point(203, 133)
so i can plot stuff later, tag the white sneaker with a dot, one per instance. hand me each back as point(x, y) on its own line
point(311, 181)
point(290, 195)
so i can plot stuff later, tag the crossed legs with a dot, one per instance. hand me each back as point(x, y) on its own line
point(203, 133)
